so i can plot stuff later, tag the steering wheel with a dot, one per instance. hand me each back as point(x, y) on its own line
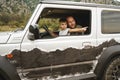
point(47, 30)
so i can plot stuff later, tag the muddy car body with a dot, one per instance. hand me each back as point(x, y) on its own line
point(93, 54)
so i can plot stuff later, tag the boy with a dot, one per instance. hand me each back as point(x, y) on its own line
point(63, 27)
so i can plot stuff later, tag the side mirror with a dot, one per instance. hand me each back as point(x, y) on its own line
point(31, 36)
point(33, 32)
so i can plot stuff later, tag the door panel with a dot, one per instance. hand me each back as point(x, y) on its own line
point(60, 56)
point(108, 26)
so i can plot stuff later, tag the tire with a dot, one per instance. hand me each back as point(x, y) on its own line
point(112, 71)
point(7, 70)
point(1, 78)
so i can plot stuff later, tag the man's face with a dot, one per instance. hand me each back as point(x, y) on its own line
point(71, 22)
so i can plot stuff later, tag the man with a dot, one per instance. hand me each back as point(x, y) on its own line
point(72, 24)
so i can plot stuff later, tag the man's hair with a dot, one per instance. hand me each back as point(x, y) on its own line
point(71, 16)
point(62, 20)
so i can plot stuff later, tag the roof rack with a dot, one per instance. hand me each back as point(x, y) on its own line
point(62, 0)
point(113, 2)
point(57, 0)
point(73, 2)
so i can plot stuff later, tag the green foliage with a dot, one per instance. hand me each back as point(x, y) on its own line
point(7, 0)
point(5, 18)
point(31, 3)
point(53, 24)
point(1, 23)
point(13, 21)
point(15, 13)
point(15, 9)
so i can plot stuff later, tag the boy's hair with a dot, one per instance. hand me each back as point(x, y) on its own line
point(62, 20)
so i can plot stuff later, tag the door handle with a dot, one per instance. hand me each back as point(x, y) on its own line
point(86, 45)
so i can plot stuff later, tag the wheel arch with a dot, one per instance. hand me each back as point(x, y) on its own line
point(7, 70)
point(105, 58)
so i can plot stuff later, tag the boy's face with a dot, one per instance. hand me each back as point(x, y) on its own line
point(63, 25)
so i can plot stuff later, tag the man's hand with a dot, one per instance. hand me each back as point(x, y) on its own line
point(84, 29)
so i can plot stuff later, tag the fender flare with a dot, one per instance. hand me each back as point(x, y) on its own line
point(107, 55)
point(7, 70)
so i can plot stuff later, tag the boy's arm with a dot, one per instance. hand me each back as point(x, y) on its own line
point(78, 30)
point(53, 34)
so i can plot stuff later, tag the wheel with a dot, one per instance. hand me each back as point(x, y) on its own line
point(1, 78)
point(7, 70)
point(112, 71)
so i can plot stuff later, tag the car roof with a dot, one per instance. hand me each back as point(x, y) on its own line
point(70, 2)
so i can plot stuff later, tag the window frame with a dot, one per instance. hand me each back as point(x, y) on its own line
point(84, 8)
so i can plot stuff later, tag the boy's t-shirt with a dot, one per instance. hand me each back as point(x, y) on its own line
point(64, 32)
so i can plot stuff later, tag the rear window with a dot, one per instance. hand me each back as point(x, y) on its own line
point(110, 22)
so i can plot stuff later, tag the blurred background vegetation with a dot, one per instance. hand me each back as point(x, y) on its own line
point(16, 13)
point(53, 24)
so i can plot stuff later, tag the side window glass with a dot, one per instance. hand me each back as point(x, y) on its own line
point(48, 26)
point(110, 22)
point(54, 22)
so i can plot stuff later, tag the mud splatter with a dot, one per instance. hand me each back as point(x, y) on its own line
point(37, 58)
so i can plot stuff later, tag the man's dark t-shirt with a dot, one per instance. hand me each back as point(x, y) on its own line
point(76, 33)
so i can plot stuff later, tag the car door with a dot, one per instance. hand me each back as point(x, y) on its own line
point(108, 26)
point(62, 55)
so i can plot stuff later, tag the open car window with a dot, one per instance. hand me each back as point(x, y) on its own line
point(50, 17)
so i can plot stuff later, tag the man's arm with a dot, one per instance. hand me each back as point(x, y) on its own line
point(78, 30)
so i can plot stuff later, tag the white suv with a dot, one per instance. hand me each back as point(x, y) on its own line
point(39, 56)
